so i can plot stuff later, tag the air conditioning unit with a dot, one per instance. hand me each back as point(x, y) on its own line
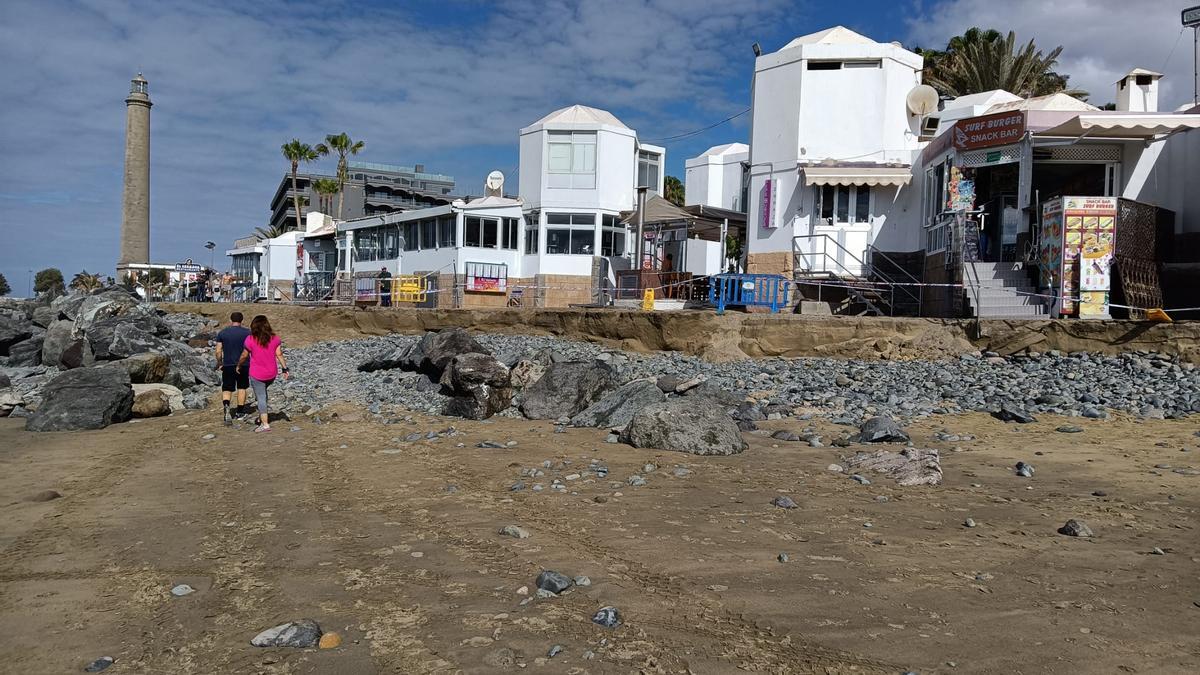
point(929, 127)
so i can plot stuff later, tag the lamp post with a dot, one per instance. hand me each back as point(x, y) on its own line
point(211, 246)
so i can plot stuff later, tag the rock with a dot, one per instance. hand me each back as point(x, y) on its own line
point(196, 400)
point(682, 426)
point(156, 400)
point(554, 651)
point(10, 400)
point(434, 351)
point(303, 633)
point(681, 472)
point(329, 641)
point(5, 380)
point(500, 658)
point(145, 368)
point(68, 305)
point(99, 664)
point(969, 522)
point(1024, 470)
point(667, 384)
point(748, 412)
point(711, 391)
point(782, 557)
point(1069, 429)
point(59, 335)
point(784, 502)
point(688, 385)
point(514, 531)
point(609, 617)
point(45, 315)
point(785, 435)
point(1076, 528)
point(861, 480)
point(636, 481)
point(100, 334)
point(479, 384)
point(525, 372)
point(85, 398)
point(27, 352)
point(881, 430)
point(389, 359)
point(582, 580)
point(1011, 414)
point(77, 354)
point(182, 590)
point(12, 332)
point(909, 467)
point(112, 302)
point(617, 408)
point(568, 388)
point(45, 496)
point(553, 582)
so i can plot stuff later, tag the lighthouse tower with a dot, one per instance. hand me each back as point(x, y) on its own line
point(135, 205)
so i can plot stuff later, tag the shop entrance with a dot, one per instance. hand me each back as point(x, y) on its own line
point(996, 212)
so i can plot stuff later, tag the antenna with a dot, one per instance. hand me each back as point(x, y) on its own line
point(494, 185)
point(922, 100)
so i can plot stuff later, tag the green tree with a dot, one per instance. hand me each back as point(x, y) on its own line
point(325, 188)
point(49, 281)
point(343, 146)
point(5, 289)
point(86, 282)
point(673, 190)
point(270, 232)
point(982, 60)
point(297, 152)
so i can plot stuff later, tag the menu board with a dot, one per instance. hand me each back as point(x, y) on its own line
point(1075, 253)
point(1050, 257)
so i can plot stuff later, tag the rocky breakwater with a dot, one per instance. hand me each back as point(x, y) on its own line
point(87, 360)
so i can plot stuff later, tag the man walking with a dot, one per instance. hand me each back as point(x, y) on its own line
point(230, 342)
point(385, 288)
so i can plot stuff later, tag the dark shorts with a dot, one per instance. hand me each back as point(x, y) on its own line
point(231, 380)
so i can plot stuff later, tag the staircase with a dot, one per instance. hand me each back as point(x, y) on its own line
point(1001, 291)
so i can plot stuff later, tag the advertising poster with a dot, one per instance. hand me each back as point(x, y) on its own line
point(1050, 247)
point(1090, 233)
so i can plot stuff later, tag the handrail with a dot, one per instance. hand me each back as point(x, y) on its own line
point(825, 238)
point(915, 291)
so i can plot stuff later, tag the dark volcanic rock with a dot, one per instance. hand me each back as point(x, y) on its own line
point(555, 582)
point(681, 425)
point(27, 353)
point(144, 368)
point(85, 398)
point(567, 389)
point(618, 407)
point(1076, 528)
point(881, 430)
point(78, 354)
point(479, 384)
point(303, 633)
point(58, 337)
point(1011, 414)
point(12, 332)
point(434, 351)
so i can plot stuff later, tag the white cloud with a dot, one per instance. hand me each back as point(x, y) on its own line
point(231, 81)
point(1102, 39)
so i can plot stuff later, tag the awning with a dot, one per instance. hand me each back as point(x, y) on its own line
point(1123, 126)
point(856, 175)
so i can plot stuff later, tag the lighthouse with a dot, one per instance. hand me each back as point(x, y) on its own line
point(135, 204)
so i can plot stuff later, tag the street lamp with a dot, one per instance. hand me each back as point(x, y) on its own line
point(211, 246)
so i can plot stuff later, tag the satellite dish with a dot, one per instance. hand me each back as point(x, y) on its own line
point(922, 100)
point(494, 185)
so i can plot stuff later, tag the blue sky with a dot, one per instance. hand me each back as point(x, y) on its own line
point(445, 83)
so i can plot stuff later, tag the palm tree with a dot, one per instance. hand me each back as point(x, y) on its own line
point(296, 152)
point(86, 282)
point(325, 188)
point(270, 232)
point(342, 145)
point(983, 60)
point(673, 190)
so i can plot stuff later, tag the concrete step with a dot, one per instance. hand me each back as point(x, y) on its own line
point(1002, 297)
point(999, 311)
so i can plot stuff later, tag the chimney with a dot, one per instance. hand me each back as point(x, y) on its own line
point(1138, 91)
point(420, 168)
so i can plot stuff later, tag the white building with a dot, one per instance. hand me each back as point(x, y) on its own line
point(831, 148)
point(717, 177)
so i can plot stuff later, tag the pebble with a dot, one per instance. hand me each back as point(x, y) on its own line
point(1069, 429)
point(612, 438)
point(862, 480)
point(1024, 470)
point(208, 437)
point(681, 472)
point(182, 590)
point(969, 522)
point(1157, 551)
point(784, 502)
point(99, 664)
point(303, 633)
point(330, 641)
point(1076, 528)
point(609, 617)
point(581, 580)
point(554, 651)
point(783, 557)
point(836, 468)
point(554, 582)
point(636, 481)
point(514, 531)
point(45, 496)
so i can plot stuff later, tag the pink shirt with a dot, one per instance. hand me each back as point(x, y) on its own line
point(262, 359)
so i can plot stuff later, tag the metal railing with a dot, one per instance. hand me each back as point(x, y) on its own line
point(315, 286)
point(909, 286)
point(803, 265)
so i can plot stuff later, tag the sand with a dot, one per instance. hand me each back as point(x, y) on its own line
point(374, 544)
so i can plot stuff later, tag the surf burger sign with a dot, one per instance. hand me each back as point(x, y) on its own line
point(988, 131)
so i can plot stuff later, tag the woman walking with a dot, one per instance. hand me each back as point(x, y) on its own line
point(262, 348)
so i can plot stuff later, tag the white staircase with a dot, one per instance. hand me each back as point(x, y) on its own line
point(1004, 291)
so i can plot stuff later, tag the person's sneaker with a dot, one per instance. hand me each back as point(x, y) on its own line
point(261, 429)
point(228, 417)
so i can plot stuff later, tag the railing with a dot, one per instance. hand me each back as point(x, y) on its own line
point(911, 288)
point(803, 263)
point(315, 286)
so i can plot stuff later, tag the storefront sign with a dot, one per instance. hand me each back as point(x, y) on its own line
point(989, 130)
point(766, 216)
point(487, 284)
point(993, 156)
point(189, 267)
point(1191, 17)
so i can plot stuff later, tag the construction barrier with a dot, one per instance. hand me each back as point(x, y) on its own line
point(748, 290)
point(410, 288)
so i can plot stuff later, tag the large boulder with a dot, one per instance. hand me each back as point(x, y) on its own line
point(479, 385)
point(881, 429)
point(45, 315)
point(68, 305)
point(709, 390)
point(27, 353)
point(388, 359)
point(9, 399)
point(145, 368)
point(102, 332)
point(910, 466)
point(525, 372)
point(567, 388)
point(59, 336)
point(108, 303)
point(13, 331)
point(619, 406)
point(155, 400)
point(433, 352)
point(681, 425)
point(85, 398)
point(78, 354)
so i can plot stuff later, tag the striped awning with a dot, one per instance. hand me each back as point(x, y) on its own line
point(856, 175)
point(1128, 125)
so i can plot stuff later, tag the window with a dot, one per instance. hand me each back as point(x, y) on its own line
point(824, 65)
point(389, 234)
point(531, 237)
point(649, 169)
point(446, 231)
point(612, 238)
point(843, 204)
point(481, 232)
point(571, 159)
point(366, 244)
point(428, 234)
point(411, 236)
point(573, 233)
point(508, 234)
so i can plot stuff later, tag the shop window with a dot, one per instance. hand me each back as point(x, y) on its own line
point(613, 236)
point(481, 232)
point(574, 233)
point(843, 204)
point(508, 233)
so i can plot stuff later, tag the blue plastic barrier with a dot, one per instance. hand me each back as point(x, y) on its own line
point(762, 290)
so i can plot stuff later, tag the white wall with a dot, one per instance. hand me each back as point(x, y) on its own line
point(616, 170)
point(702, 256)
point(715, 180)
point(1165, 174)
